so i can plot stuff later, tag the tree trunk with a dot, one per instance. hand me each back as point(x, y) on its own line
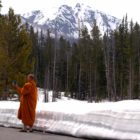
point(54, 67)
point(95, 83)
point(139, 74)
point(67, 86)
point(139, 82)
point(79, 82)
point(121, 86)
point(130, 79)
point(90, 85)
point(107, 69)
point(45, 86)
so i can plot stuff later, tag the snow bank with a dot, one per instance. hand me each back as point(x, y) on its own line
point(110, 120)
point(120, 120)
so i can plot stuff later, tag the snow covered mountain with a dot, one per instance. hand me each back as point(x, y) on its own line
point(67, 20)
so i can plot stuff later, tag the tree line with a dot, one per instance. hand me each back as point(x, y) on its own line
point(93, 67)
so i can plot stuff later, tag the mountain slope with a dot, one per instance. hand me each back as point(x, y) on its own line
point(67, 20)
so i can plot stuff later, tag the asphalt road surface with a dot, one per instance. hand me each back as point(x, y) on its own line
point(14, 134)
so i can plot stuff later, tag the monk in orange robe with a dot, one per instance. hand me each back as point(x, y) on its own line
point(28, 102)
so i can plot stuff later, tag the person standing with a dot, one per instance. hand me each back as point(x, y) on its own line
point(28, 102)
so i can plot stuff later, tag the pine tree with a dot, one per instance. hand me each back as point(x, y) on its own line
point(35, 50)
point(16, 48)
point(48, 64)
point(110, 63)
point(84, 58)
point(131, 61)
point(73, 70)
point(96, 48)
point(136, 63)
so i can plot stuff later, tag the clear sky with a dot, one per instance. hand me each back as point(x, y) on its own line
point(117, 8)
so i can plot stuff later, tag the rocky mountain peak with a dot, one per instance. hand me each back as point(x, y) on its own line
point(66, 19)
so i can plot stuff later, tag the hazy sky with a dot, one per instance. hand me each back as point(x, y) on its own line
point(117, 8)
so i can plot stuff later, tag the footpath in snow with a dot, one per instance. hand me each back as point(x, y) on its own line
point(119, 120)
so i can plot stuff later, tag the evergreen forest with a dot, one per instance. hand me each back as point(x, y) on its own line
point(93, 67)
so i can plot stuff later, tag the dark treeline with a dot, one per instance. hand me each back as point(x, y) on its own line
point(93, 68)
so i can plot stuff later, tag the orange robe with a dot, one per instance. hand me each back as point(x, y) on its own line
point(28, 101)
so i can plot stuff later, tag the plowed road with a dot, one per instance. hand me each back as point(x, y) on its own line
point(14, 134)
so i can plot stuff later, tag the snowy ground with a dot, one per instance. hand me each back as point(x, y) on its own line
point(120, 120)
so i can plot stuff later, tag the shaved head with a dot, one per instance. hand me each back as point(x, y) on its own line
point(30, 76)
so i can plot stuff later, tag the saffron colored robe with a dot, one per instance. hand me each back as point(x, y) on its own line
point(28, 102)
